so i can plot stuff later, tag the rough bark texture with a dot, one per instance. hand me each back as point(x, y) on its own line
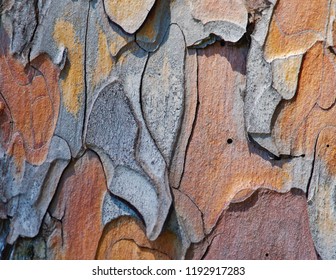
point(157, 129)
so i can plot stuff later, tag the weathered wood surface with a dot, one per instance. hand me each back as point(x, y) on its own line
point(167, 129)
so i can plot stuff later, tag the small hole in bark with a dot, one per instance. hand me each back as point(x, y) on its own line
point(303, 155)
point(222, 43)
point(266, 254)
point(328, 146)
point(229, 141)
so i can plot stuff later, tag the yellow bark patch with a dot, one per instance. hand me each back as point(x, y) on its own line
point(72, 84)
point(104, 61)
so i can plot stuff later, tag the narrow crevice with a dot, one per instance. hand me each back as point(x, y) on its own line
point(85, 78)
point(135, 41)
point(206, 252)
point(61, 222)
point(271, 156)
point(37, 18)
point(200, 211)
point(312, 168)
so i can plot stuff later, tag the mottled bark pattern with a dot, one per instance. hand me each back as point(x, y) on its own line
point(185, 129)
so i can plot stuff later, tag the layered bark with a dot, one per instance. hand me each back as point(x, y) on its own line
point(167, 129)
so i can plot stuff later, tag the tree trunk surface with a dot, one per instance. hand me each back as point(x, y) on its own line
point(158, 129)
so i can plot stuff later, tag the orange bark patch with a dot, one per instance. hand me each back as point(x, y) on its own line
point(79, 205)
point(30, 99)
point(295, 26)
point(220, 163)
point(302, 118)
point(125, 238)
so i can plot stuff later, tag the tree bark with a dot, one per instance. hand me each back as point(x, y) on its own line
point(167, 129)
